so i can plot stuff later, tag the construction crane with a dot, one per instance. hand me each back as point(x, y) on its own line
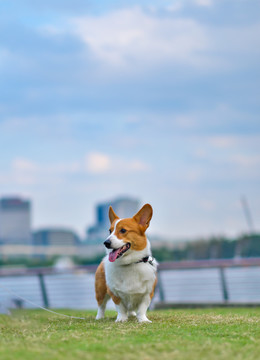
point(248, 215)
point(240, 243)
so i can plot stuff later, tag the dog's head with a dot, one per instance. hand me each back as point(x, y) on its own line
point(128, 235)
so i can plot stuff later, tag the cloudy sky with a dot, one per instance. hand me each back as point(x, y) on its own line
point(157, 100)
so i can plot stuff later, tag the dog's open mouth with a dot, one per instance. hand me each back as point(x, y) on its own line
point(116, 253)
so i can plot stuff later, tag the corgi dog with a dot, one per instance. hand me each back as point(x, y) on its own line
point(128, 273)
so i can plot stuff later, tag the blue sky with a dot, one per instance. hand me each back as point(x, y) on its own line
point(154, 99)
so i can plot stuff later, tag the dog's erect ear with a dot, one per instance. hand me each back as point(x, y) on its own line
point(112, 215)
point(143, 217)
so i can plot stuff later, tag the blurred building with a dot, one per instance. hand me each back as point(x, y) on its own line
point(15, 221)
point(123, 207)
point(55, 237)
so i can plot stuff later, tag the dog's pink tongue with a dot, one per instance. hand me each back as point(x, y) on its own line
point(113, 255)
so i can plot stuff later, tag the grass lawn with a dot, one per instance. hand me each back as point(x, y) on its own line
point(174, 334)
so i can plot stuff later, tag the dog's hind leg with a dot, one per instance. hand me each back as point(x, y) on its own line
point(102, 296)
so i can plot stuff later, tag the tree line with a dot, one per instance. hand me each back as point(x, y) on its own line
point(213, 248)
point(201, 249)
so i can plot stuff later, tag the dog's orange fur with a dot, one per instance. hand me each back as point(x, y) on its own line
point(101, 287)
point(100, 284)
point(154, 286)
point(116, 299)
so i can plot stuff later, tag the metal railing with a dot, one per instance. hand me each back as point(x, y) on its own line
point(182, 283)
point(215, 282)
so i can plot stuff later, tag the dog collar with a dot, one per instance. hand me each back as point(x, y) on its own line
point(146, 259)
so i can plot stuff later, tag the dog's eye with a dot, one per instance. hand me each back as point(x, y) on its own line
point(122, 231)
point(110, 231)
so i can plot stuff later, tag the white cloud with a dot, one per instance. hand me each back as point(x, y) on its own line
point(237, 142)
point(223, 141)
point(23, 171)
point(97, 163)
point(222, 116)
point(134, 40)
point(137, 165)
point(175, 6)
point(206, 3)
point(26, 172)
point(180, 4)
point(228, 149)
point(245, 160)
point(127, 36)
point(25, 165)
point(21, 164)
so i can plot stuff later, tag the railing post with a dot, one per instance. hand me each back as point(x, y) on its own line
point(223, 284)
point(160, 287)
point(43, 291)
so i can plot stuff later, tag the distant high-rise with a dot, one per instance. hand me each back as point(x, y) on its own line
point(123, 207)
point(55, 237)
point(15, 221)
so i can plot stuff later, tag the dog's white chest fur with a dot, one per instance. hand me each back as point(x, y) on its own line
point(130, 282)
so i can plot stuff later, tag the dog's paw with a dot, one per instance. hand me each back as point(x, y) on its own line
point(144, 319)
point(121, 318)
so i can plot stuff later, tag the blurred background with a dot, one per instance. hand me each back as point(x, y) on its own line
point(124, 103)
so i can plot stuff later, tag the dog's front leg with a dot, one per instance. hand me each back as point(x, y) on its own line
point(102, 308)
point(121, 313)
point(141, 312)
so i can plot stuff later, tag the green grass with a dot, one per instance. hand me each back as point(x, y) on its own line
point(174, 334)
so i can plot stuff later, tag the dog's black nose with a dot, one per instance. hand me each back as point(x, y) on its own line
point(107, 244)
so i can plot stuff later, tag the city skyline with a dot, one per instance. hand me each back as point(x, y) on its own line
point(16, 227)
point(158, 101)
point(95, 230)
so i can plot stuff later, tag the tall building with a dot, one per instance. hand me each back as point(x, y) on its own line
point(123, 207)
point(55, 237)
point(15, 221)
